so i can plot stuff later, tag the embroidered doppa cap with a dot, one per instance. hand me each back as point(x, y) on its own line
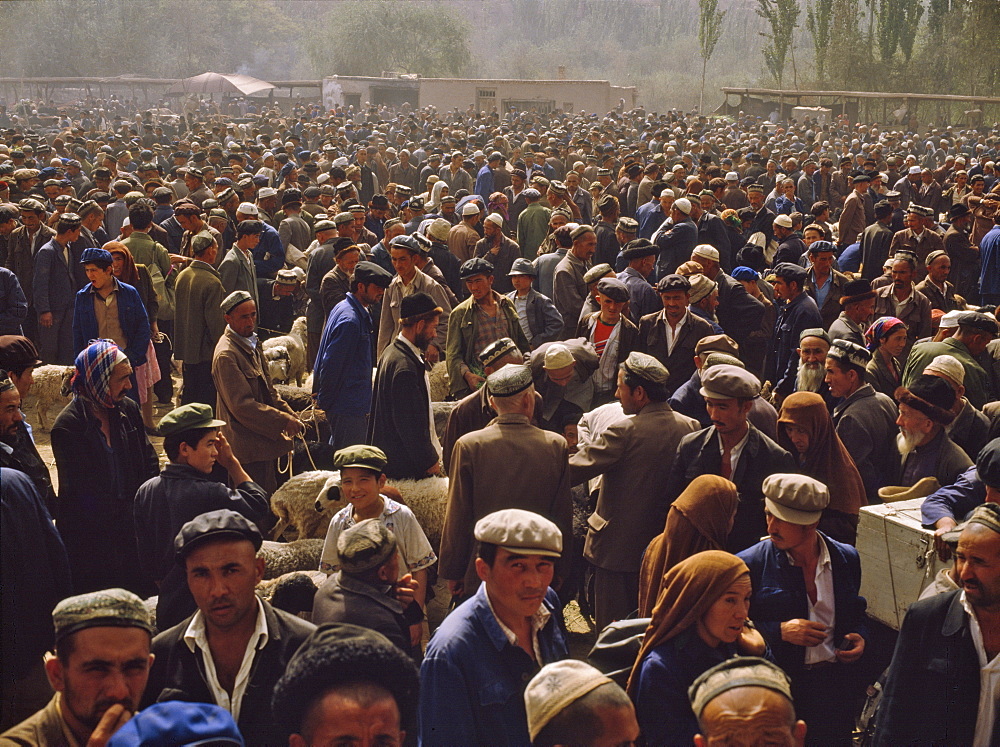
point(556, 686)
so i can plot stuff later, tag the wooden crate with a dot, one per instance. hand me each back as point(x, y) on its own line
point(898, 560)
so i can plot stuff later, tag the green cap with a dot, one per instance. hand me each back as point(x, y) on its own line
point(361, 455)
point(106, 608)
point(189, 417)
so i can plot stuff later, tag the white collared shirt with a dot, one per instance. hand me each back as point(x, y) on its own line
point(537, 621)
point(824, 610)
point(673, 333)
point(989, 681)
point(196, 638)
point(734, 453)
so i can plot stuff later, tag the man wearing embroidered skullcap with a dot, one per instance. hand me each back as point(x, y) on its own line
point(482, 481)
point(102, 455)
point(958, 627)
point(635, 456)
point(496, 640)
point(99, 671)
point(819, 648)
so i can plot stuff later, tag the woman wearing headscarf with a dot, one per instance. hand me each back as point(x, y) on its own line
point(700, 619)
point(806, 431)
point(102, 457)
point(886, 340)
point(700, 519)
point(439, 190)
point(146, 375)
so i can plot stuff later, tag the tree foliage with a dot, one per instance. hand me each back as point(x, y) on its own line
point(710, 20)
point(371, 36)
point(819, 21)
point(782, 17)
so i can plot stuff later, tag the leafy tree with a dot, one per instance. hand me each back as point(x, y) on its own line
point(710, 21)
point(782, 18)
point(819, 19)
point(367, 38)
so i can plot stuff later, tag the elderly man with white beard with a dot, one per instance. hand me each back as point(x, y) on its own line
point(814, 344)
point(925, 408)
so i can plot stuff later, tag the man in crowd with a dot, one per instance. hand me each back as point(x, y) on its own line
point(497, 639)
point(235, 647)
point(925, 409)
point(569, 289)
point(902, 300)
point(799, 312)
point(17, 449)
point(857, 303)
point(56, 280)
point(200, 321)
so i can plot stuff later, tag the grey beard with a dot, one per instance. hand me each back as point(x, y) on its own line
point(809, 379)
point(907, 441)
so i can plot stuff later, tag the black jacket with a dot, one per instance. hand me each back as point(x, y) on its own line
point(699, 453)
point(166, 503)
point(400, 420)
point(97, 485)
point(177, 674)
point(932, 693)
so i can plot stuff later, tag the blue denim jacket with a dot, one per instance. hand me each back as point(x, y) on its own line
point(472, 679)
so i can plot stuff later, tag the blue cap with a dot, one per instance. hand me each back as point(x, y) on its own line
point(745, 273)
point(96, 256)
point(173, 723)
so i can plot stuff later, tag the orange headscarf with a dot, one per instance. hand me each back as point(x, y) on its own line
point(827, 459)
point(700, 519)
point(690, 588)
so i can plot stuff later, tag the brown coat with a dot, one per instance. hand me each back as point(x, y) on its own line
point(253, 411)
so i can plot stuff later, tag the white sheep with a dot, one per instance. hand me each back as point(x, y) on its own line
point(286, 557)
point(294, 343)
point(50, 389)
point(295, 504)
point(278, 363)
point(440, 382)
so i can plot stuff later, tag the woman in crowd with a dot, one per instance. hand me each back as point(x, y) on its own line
point(887, 341)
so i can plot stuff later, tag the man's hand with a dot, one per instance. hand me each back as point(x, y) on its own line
point(435, 470)
point(473, 380)
point(113, 719)
point(456, 588)
point(416, 634)
point(751, 642)
point(852, 654)
point(293, 426)
point(225, 455)
point(803, 632)
point(432, 355)
point(943, 525)
point(45, 319)
point(405, 588)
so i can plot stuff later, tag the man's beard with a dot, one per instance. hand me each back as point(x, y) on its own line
point(810, 377)
point(907, 440)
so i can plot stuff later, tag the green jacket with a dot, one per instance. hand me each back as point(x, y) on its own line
point(532, 227)
point(462, 331)
point(199, 322)
point(977, 382)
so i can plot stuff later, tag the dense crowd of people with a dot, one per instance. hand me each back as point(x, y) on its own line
point(682, 354)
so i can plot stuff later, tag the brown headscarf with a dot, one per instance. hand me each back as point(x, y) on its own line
point(690, 588)
point(700, 519)
point(827, 459)
point(130, 274)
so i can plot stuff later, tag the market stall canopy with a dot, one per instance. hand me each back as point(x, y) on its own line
point(220, 83)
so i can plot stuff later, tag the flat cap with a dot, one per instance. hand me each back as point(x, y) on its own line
point(531, 193)
point(706, 251)
point(672, 283)
point(221, 524)
point(324, 225)
point(639, 248)
point(947, 366)
point(234, 299)
point(17, 352)
point(342, 218)
point(978, 321)
point(174, 722)
point(523, 266)
point(849, 352)
point(627, 225)
point(371, 273)
point(475, 266)
point(30, 203)
point(365, 546)
point(361, 455)
point(790, 271)
point(511, 379)
point(597, 272)
point(988, 464)
point(116, 608)
point(701, 287)
point(729, 382)
point(497, 350)
point(717, 344)
point(797, 499)
point(93, 255)
point(556, 686)
point(557, 356)
point(646, 367)
point(721, 359)
point(613, 288)
point(815, 332)
point(520, 532)
point(740, 671)
point(188, 417)
point(581, 230)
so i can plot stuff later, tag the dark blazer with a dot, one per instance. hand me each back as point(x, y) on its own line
point(176, 673)
point(739, 313)
point(21, 256)
point(55, 283)
point(680, 363)
point(931, 696)
point(779, 594)
point(675, 246)
point(544, 319)
point(400, 422)
point(699, 453)
point(131, 316)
